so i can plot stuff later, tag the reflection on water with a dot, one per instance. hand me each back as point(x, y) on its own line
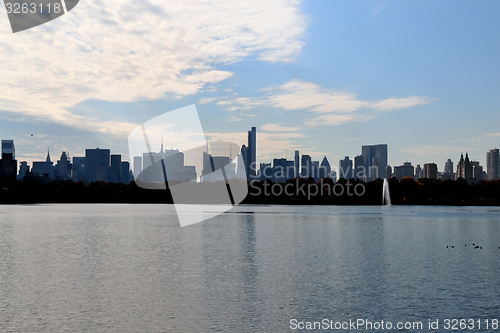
point(131, 268)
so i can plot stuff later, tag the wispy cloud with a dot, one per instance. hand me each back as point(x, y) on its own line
point(377, 8)
point(233, 118)
point(484, 137)
point(329, 107)
point(207, 100)
point(279, 128)
point(131, 50)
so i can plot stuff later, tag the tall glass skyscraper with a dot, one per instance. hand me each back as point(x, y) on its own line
point(252, 152)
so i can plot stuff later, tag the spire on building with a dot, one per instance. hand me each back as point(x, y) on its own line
point(47, 160)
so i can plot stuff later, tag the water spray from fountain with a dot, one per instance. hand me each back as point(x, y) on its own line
point(386, 195)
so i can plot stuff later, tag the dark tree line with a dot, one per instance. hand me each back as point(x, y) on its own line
point(294, 191)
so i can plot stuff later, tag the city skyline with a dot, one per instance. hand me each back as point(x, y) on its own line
point(299, 71)
point(371, 163)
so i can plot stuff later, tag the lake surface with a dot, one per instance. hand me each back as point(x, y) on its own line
point(131, 268)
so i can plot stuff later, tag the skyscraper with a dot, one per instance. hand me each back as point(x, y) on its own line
point(63, 167)
point(24, 169)
point(43, 169)
point(137, 166)
point(97, 164)
point(448, 171)
point(465, 168)
point(306, 166)
point(8, 163)
point(115, 169)
point(345, 168)
point(125, 172)
point(78, 169)
point(388, 172)
point(418, 172)
point(359, 167)
point(296, 164)
point(375, 158)
point(448, 166)
point(493, 164)
point(477, 172)
point(9, 148)
point(252, 152)
point(405, 170)
point(430, 170)
point(324, 169)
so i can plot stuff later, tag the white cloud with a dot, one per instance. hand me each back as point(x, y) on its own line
point(279, 128)
point(207, 100)
point(329, 107)
point(129, 50)
point(485, 137)
point(400, 103)
point(233, 118)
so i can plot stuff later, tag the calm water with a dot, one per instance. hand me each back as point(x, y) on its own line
point(131, 268)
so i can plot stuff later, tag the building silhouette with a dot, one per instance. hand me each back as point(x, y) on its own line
point(8, 162)
point(345, 168)
point(359, 167)
point(214, 163)
point(405, 170)
point(44, 169)
point(137, 167)
point(125, 172)
point(297, 164)
point(430, 170)
point(388, 172)
point(375, 160)
point(448, 172)
point(115, 169)
point(493, 164)
point(62, 169)
point(324, 169)
point(306, 166)
point(24, 169)
point(419, 173)
point(464, 168)
point(249, 154)
point(78, 169)
point(252, 151)
point(97, 164)
point(477, 172)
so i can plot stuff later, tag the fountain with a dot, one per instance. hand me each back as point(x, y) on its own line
point(386, 195)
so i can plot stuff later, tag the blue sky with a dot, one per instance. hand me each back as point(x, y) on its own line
point(323, 77)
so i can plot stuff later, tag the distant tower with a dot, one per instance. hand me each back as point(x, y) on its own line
point(137, 167)
point(63, 166)
point(252, 151)
point(388, 172)
point(306, 166)
point(325, 168)
point(448, 166)
point(296, 164)
point(465, 168)
point(418, 172)
point(8, 148)
point(345, 168)
point(493, 164)
point(24, 169)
